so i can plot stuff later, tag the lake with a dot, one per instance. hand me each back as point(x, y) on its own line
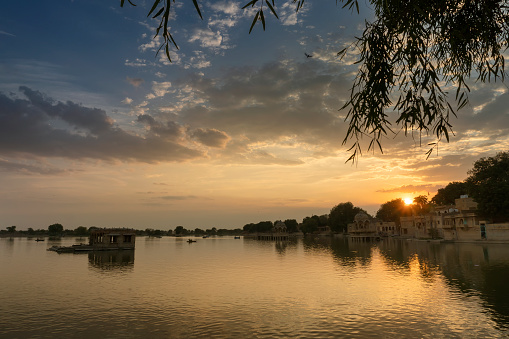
point(221, 287)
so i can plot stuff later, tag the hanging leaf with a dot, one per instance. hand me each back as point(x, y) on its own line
point(154, 6)
point(195, 2)
point(254, 21)
point(272, 9)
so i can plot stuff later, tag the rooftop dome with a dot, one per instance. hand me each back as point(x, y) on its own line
point(279, 227)
point(361, 216)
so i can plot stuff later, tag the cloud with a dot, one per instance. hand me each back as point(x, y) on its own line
point(411, 189)
point(178, 197)
point(265, 158)
point(159, 89)
point(40, 127)
point(152, 45)
point(169, 131)
point(136, 82)
point(5, 33)
point(211, 137)
point(136, 63)
point(301, 103)
point(127, 101)
point(198, 61)
point(81, 118)
point(207, 38)
point(226, 7)
point(288, 14)
point(30, 167)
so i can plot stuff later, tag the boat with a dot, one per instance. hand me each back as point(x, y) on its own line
point(190, 240)
point(39, 239)
point(237, 237)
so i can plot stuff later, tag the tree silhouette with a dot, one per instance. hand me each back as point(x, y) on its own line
point(409, 58)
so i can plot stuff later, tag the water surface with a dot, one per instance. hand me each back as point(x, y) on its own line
point(230, 288)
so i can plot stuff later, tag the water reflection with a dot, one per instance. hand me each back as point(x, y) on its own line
point(351, 252)
point(283, 245)
point(111, 261)
point(473, 269)
point(304, 288)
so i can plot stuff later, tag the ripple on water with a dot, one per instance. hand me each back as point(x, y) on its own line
point(243, 289)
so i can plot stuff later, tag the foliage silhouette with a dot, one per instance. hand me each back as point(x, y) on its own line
point(408, 59)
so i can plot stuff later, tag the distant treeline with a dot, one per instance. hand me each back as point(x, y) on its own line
point(58, 230)
point(337, 220)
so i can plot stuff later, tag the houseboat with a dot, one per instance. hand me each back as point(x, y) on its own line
point(103, 239)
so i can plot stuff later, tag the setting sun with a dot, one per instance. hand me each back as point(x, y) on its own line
point(408, 201)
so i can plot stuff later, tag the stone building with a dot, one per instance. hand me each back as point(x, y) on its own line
point(451, 222)
point(279, 232)
point(112, 238)
point(365, 226)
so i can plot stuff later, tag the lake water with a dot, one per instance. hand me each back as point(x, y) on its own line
point(230, 288)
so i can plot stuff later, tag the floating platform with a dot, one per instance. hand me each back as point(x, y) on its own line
point(85, 248)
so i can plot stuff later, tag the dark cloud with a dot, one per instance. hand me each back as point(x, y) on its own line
point(279, 105)
point(274, 101)
point(170, 131)
point(39, 126)
point(91, 119)
point(211, 137)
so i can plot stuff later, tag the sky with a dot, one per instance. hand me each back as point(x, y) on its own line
point(97, 129)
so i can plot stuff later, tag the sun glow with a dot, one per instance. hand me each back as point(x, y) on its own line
point(408, 201)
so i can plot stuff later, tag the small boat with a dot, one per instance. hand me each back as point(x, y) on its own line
point(190, 240)
point(39, 239)
point(205, 236)
point(236, 237)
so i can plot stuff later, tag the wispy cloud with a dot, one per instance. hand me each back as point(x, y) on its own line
point(411, 189)
point(136, 82)
point(5, 33)
point(179, 197)
point(136, 62)
point(31, 167)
